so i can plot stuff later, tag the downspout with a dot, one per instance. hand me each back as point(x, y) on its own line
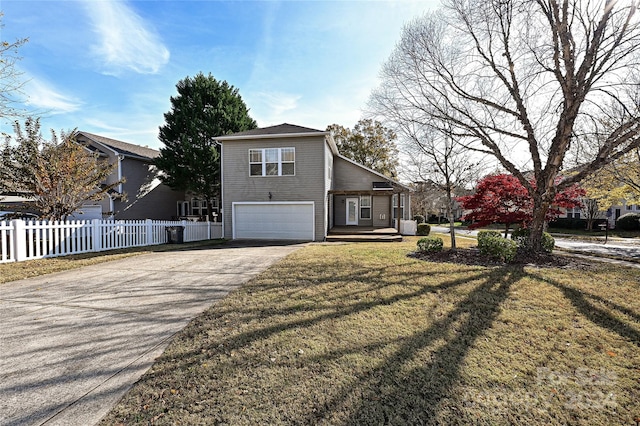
point(111, 207)
point(398, 215)
point(120, 158)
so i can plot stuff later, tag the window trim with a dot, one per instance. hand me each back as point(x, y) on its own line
point(199, 207)
point(280, 161)
point(363, 207)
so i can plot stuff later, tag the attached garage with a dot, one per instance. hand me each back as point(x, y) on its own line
point(292, 220)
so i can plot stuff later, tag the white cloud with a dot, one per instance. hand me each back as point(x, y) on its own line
point(271, 107)
point(42, 96)
point(126, 42)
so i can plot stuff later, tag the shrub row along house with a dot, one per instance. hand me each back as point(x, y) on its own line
point(281, 182)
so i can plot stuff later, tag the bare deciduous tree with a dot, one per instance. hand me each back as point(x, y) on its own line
point(523, 81)
point(436, 157)
point(10, 78)
point(591, 211)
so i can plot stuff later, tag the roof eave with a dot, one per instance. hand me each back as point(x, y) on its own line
point(270, 136)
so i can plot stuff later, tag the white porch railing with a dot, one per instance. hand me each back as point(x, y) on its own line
point(20, 240)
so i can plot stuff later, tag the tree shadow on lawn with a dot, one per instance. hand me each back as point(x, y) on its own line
point(390, 395)
point(400, 388)
point(585, 303)
point(393, 394)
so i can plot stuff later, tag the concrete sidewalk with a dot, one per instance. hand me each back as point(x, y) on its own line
point(73, 343)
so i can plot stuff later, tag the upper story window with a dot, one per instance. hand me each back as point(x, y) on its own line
point(272, 162)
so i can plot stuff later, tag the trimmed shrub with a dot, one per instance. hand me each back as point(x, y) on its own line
point(521, 237)
point(430, 244)
point(497, 247)
point(423, 229)
point(487, 234)
point(629, 222)
point(419, 218)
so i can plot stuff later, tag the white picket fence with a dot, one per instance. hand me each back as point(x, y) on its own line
point(26, 240)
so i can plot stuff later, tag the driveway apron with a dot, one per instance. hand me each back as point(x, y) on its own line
point(73, 343)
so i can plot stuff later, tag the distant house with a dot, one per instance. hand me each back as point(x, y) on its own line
point(142, 196)
point(616, 212)
point(290, 182)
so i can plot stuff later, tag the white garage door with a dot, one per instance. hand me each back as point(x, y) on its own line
point(274, 221)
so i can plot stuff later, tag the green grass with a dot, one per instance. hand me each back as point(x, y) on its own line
point(32, 268)
point(361, 334)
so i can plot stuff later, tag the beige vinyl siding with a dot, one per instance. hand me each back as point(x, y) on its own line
point(381, 210)
point(306, 185)
point(348, 176)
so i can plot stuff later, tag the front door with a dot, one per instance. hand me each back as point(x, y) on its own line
point(352, 211)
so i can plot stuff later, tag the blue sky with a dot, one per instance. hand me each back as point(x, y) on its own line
point(109, 67)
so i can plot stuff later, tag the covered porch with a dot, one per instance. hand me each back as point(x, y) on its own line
point(383, 206)
point(373, 214)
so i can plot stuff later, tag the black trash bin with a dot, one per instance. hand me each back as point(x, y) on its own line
point(175, 234)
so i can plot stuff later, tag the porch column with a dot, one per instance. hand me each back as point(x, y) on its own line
point(398, 216)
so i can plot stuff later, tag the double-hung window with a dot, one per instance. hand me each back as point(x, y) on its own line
point(272, 162)
point(365, 207)
point(199, 207)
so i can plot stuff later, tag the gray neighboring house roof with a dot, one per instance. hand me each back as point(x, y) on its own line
point(124, 148)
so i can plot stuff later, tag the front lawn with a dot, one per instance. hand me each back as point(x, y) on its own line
point(361, 334)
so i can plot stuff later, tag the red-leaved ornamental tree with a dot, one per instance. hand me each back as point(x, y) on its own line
point(503, 199)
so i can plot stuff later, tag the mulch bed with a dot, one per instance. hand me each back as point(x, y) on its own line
point(471, 256)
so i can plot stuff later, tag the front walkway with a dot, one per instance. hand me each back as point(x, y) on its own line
point(73, 343)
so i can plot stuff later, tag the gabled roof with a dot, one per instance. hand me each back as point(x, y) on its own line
point(281, 130)
point(123, 148)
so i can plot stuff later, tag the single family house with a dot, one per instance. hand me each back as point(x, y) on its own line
point(288, 182)
point(142, 195)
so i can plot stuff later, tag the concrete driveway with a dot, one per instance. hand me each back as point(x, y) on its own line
point(73, 343)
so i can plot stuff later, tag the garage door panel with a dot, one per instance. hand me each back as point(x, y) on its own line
point(291, 221)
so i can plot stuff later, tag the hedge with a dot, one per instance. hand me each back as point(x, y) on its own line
point(430, 244)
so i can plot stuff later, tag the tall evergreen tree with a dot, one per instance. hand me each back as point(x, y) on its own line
point(203, 109)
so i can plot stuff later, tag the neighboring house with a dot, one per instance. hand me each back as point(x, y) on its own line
point(290, 182)
point(14, 206)
point(430, 201)
point(616, 212)
point(145, 196)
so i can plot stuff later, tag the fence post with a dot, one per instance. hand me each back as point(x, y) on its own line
point(96, 235)
point(208, 229)
point(149, 231)
point(19, 240)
